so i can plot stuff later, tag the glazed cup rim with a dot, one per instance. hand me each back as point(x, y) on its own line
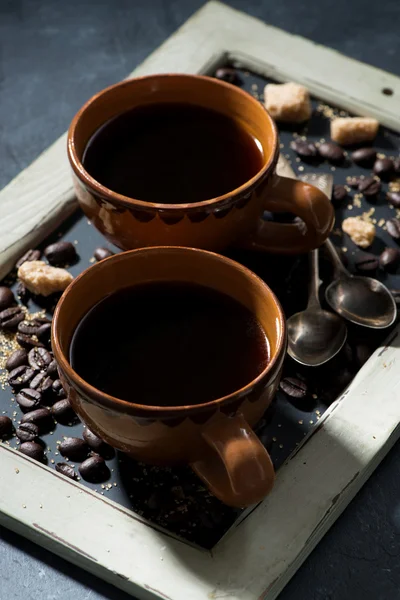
point(158, 411)
point(115, 198)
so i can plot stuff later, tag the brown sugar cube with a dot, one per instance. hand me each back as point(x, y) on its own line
point(42, 279)
point(361, 232)
point(353, 130)
point(288, 102)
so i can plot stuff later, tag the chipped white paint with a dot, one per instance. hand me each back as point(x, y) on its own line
point(260, 553)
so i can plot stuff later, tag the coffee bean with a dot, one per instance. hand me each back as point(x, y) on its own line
point(384, 168)
point(52, 369)
point(63, 412)
point(365, 157)
point(229, 75)
point(74, 448)
point(393, 228)
point(366, 262)
point(6, 426)
point(28, 399)
point(30, 327)
point(369, 186)
point(43, 384)
point(58, 389)
point(66, 470)
point(102, 253)
point(20, 377)
point(339, 194)
point(17, 359)
point(306, 150)
point(27, 432)
point(33, 450)
point(331, 152)
point(39, 358)
point(7, 298)
point(393, 198)
point(61, 253)
point(44, 334)
point(94, 470)
point(354, 181)
point(293, 387)
point(23, 293)
point(28, 341)
point(40, 417)
point(98, 445)
point(29, 256)
point(390, 259)
point(10, 317)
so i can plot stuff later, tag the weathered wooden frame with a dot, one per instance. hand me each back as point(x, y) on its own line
point(264, 549)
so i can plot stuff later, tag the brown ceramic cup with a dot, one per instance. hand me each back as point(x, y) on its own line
point(213, 224)
point(216, 438)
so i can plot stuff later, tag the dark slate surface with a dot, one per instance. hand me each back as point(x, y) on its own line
point(53, 56)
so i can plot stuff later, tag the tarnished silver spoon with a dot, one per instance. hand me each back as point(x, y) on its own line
point(315, 335)
point(361, 300)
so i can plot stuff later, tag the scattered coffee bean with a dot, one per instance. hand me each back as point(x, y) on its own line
point(43, 384)
point(66, 470)
point(6, 426)
point(33, 450)
point(39, 358)
point(102, 253)
point(52, 369)
point(28, 341)
point(229, 75)
point(63, 412)
point(30, 255)
point(40, 417)
point(28, 399)
point(74, 448)
point(393, 228)
point(23, 293)
point(305, 150)
point(20, 377)
point(10, 317)
point(94, 470)
point(17, 359)
point(354, 181)
point(331, 152)
point(339, 194)
point(366, 262)
point(393, 198)
point(30, 327)
point(365, 157)
point(384, 168)
point(369, 186)
point(61, 253)
point(58, 389)
point(27, 432)
point(98, 445)
point(7, 298)
point(390, 259)
point(293, 387)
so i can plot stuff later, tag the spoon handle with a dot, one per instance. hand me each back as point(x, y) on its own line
point(335, 258)
point(315, 282)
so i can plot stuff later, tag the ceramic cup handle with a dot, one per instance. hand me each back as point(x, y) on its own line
point(304, 200)
point(238, 469)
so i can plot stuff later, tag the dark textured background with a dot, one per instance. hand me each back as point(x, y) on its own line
point(53, 56)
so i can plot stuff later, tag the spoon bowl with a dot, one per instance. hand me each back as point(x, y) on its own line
point(315, 336)
point(362, 300)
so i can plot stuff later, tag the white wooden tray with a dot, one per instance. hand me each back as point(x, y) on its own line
point(261, 552)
